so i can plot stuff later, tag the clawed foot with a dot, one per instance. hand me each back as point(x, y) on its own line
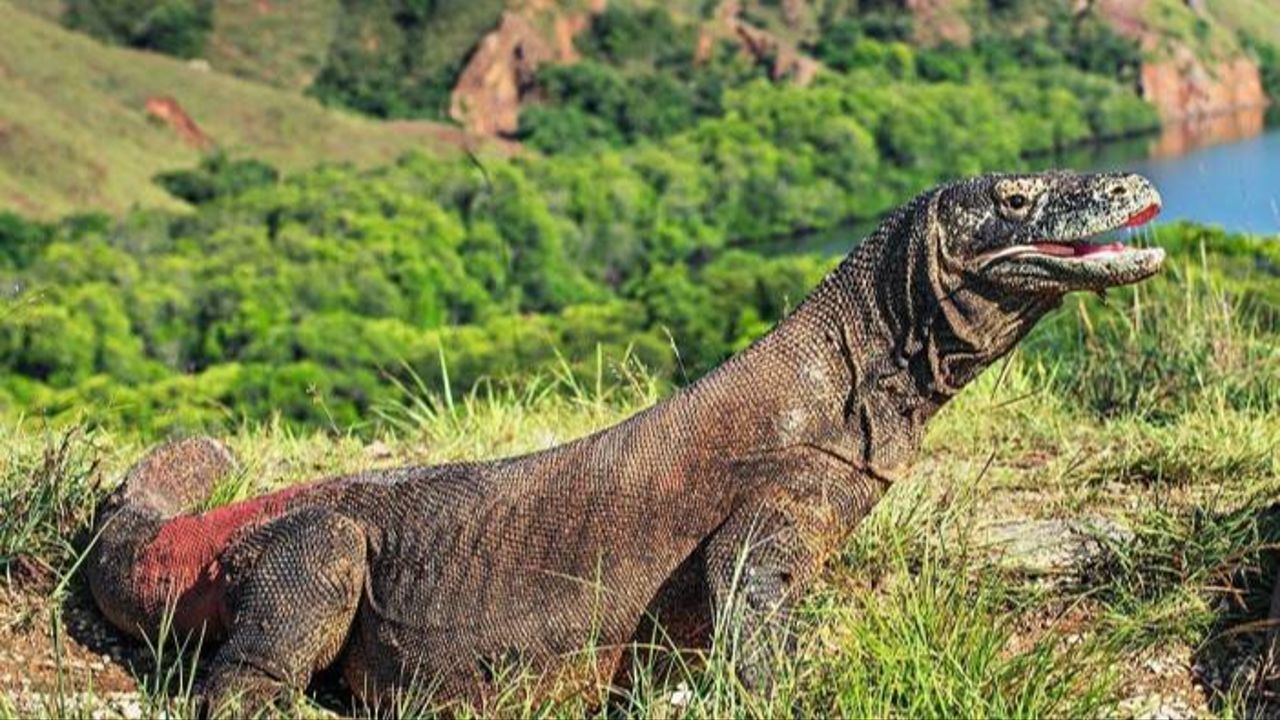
point(239, 694)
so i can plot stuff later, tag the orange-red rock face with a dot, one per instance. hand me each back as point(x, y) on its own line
point(1187, 88)
point(1184, 86)
point(486, 99)
point(788, 62)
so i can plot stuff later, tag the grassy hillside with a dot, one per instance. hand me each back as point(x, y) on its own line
point(1156, 412)
point(74, 134)
point(1174, 24)
point(1257, 17)
point(278, 43)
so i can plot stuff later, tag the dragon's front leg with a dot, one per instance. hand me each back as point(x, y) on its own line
point(760, 562)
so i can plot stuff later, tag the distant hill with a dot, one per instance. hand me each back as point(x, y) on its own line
point(76, 134)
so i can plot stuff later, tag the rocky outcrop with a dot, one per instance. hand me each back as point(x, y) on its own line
point(501, 71)
point(938, 21)
point(1188, 88)
point(1181, 84)
point(500, 75)
point(785, 60)
point(486, 99)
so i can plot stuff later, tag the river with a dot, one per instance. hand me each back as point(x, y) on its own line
point(1223, 171)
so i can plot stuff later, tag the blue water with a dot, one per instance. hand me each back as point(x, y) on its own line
point(1235, 185)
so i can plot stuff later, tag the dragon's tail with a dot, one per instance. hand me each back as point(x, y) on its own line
point(172, 479)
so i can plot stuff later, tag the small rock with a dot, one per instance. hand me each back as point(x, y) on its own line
point(378, 450)
point(1050, 547)
point(131, 710)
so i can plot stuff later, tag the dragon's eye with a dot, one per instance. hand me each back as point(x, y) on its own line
point(1016, 201)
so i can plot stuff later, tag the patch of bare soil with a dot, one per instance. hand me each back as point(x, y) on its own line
point(46, 655)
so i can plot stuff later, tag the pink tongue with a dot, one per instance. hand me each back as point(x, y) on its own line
point(1085, 249)
point(1055, 249)
point(1077, 249)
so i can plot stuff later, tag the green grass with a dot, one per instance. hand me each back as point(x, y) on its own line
point(1156, 410)
point(74, 134)
point(1173, 23)
point(1257, 17)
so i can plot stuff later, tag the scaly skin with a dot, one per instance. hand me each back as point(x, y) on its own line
point(734, 489)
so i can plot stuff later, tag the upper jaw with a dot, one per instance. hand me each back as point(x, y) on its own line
point(1082, 256)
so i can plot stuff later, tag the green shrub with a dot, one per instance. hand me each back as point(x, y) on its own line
point(624, 34)
point(21, 240)
point(1268, 56)
point(218, 176)
point(174, 27)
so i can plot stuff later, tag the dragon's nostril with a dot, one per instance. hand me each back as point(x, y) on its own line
point(1119, 190)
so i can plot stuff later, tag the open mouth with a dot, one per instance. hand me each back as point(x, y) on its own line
point(1088, 248)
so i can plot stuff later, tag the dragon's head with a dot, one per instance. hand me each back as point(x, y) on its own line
point(985, 258)
point(1049, 234)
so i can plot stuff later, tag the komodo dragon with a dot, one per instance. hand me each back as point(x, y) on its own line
point(737, 486)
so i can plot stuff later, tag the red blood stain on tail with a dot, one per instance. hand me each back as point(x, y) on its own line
point(182, 565)
point(1143, 216)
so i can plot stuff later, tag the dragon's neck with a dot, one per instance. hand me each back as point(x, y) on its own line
point(876, 350)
